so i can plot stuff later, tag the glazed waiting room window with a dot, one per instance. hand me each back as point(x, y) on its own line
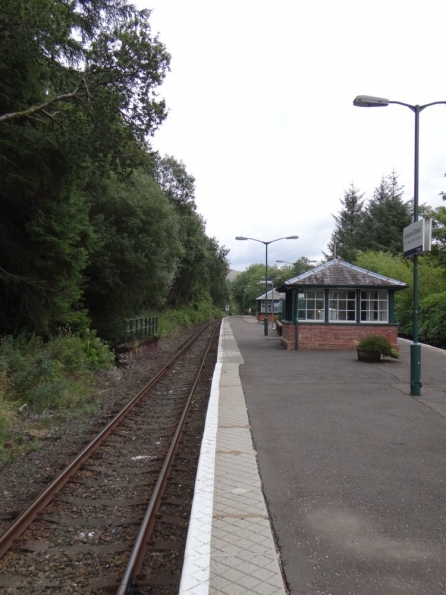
point(268, 307)
point(342, 304)
point(311, 305)
point(374, 305)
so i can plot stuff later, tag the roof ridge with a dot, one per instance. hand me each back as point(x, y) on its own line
point(343, 264)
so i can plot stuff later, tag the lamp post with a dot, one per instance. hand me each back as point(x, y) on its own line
point(415, 348)
point(266, 274)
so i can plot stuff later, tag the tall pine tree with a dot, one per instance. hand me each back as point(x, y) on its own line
point(346, 237)
point(386, 217)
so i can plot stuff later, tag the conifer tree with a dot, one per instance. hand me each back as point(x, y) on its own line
point(346, 237)
point(386, 217)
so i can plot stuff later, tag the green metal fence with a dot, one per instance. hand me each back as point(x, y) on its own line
point(140, 328)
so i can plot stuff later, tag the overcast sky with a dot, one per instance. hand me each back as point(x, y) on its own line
point(261, 110)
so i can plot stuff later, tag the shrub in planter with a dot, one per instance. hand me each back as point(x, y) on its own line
point(377, 345)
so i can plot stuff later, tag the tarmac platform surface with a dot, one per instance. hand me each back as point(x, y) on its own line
point(353, 473)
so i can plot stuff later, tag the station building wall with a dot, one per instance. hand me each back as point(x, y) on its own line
point(334, 336)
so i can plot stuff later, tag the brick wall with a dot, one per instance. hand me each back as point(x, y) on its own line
point(261, 316)
point(334, 336)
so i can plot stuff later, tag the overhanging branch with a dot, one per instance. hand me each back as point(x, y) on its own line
point(80, 91)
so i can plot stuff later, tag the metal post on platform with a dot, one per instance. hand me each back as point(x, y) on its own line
point(415, 348)
point(266, 321)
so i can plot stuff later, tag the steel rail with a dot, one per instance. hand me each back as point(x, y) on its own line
point(24, 520)
point(139, 549)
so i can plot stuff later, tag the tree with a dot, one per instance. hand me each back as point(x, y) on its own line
point(431, 281)
point(247, 286)
point(45, 233)
point(438, 217)
point(218, 268)
point(203, 268)
point(78, 83)
point(175, 182)
point(137, 253)
point(386, 217)
point(97, 54)
point(346, 237)
point(300, 266)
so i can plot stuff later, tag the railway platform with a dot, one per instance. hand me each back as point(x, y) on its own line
point(328, 461)
point(230, 547)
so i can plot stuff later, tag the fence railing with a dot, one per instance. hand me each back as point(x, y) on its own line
point(140, 328)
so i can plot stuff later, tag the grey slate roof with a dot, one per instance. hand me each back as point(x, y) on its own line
point(339, 273)
point(276, 296)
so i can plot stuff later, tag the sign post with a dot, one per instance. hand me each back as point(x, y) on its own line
point(417, 237)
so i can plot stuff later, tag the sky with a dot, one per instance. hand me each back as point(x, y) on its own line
point(260, 98)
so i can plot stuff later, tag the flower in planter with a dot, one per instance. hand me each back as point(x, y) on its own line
point(377, 344)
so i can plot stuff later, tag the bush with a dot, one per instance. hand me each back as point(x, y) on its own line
point(433, 319)
point(185, 317)
point(378, 343)
point(78, 353)
point(54, 375)
point(6, 408)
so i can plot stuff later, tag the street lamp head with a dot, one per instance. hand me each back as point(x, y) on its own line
point(241, 238)
point(292, 238)
point(370, 101)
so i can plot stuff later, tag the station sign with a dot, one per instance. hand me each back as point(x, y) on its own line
point(417, 237)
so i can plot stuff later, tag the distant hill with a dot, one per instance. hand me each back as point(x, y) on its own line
point(232, 274)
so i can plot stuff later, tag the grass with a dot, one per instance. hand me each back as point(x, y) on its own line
point(171, 320)
point(54, 380)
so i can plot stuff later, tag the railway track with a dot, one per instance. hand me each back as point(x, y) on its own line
point(115, 519)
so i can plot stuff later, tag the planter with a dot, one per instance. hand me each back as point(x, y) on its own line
point(368, 356)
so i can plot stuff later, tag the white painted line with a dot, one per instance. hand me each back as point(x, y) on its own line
point(197, 555)
point(439, 349)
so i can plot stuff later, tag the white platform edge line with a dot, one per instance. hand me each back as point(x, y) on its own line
point(425, 345)
point(197, 556)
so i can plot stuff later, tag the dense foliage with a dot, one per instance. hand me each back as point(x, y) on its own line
point(250, 284)
point(377, 225)
point(94, 227)
point(371, 236)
